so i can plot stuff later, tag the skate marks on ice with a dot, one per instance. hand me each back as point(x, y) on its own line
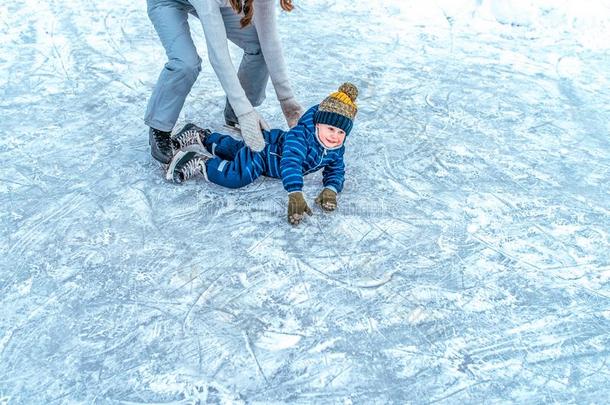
point(467, 260)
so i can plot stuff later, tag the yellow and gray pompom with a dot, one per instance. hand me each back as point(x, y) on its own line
point(350, 89)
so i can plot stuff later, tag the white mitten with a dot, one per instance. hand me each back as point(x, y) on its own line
point(251, 125)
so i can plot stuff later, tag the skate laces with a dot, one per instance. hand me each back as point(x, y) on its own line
point(190, 137)
point(187, 138)
point(192, 168)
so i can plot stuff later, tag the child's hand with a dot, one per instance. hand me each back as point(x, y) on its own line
point(327, 199)
point(297, 207)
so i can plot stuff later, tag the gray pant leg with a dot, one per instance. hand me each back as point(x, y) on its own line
point(170, 19)
point(252, 73)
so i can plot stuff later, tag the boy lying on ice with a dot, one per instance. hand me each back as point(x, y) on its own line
point(316, 142)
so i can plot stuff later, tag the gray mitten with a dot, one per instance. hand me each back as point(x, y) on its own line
point(292, 111)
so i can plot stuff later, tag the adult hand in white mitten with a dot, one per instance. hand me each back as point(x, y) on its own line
point(292, 111)
point(251, 125)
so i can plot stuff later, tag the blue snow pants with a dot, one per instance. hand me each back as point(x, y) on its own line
point(234, 164)
point(170, 19)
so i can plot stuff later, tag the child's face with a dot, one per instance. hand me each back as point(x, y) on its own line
point(330, 136)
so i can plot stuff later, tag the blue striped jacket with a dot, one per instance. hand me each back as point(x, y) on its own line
point(297, 152)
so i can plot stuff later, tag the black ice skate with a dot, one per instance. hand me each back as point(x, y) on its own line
point(190, 135)
point(160, 145)
point(186, 164)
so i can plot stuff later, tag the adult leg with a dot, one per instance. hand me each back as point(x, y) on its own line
point(252, 73)
point(170, 19)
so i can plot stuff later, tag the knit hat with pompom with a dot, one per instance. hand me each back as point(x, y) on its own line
point(339, 108)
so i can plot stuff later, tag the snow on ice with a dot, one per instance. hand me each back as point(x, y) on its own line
point(468, 260)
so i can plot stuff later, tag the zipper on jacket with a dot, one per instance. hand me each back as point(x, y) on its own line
point(319, 163)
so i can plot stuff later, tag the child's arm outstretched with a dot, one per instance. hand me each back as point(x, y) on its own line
point(332, 177)
point(291, 167)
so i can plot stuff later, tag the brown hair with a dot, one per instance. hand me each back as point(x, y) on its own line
point(247, 6)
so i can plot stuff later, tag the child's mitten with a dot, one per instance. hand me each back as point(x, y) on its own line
point(327, 199)
point(297, 207)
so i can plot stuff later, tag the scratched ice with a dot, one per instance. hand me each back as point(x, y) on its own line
point(468, 261)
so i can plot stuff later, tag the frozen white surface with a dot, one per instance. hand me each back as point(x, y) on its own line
point(468, 261)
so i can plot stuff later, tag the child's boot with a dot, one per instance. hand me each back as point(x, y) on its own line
point(189, 135)
point(186, 164)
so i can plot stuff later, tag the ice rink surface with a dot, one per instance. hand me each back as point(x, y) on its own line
point(468, 261)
